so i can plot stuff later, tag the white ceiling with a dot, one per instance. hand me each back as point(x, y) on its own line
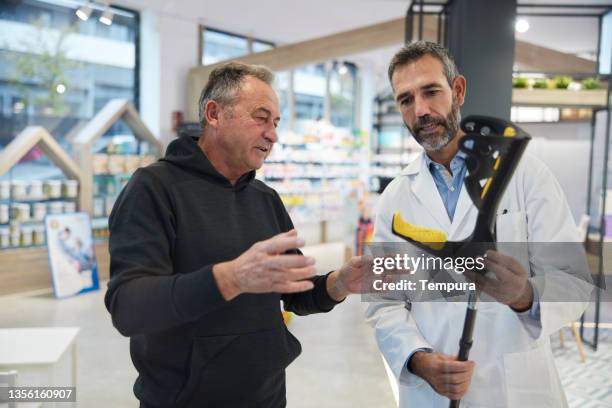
point(575, 35)
point(280, 21)
point(290, 21)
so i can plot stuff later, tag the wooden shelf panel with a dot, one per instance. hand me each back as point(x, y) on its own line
point(559, 98)
point(27, 269)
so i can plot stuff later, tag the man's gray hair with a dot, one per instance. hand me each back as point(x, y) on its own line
point(225, 81)
point(414, 51)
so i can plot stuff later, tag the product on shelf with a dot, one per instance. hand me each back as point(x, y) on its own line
point(39, 235)
point(69, 206)
point(35, 189)
point(5, 237)
point(4, 213)
point(70, 188)
point(39, 210)
point(109, 203)
point(53, 188)
point(55, 207)
point(116, 164)
point(18, 189)
point(98, 207)
point(20, 211)
point(26, 236)
point(5, 189)
point(100, 163)
point(100, 233)
point(15, 235)
point(24, 205)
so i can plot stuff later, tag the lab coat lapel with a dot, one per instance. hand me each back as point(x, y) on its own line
point(427, 194)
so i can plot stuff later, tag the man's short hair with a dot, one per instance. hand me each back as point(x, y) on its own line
point(416, 50)
point(225, 81)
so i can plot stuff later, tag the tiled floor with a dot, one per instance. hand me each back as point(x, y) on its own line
point(588, 384)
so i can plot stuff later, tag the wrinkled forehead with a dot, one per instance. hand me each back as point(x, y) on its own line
point(417, 74)
point(255, 94)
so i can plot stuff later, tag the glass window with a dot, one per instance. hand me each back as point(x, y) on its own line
point(55, 73)
point(220, 46)
point(282, 86)
point(309, 87)
point(259, 46)
point(342, 94)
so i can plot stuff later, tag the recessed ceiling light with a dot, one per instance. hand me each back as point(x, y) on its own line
point(521, 25)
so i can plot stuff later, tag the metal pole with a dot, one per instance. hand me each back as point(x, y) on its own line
point(420, 20)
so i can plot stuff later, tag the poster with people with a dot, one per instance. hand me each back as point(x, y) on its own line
point(72, 258)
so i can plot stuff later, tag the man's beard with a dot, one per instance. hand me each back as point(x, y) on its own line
point(434, 142)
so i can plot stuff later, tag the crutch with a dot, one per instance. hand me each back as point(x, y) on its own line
point(494, 148)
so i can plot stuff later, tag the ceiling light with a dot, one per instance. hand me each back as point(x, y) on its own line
point(106, 17)
point(84, 12)
point(60, 88)
point(343, 69)
point(521, 25)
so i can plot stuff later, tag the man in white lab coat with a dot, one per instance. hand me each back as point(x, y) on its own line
point(511, 363)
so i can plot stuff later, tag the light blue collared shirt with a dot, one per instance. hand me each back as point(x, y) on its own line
point(449, 183)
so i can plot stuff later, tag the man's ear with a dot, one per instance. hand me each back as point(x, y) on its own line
point(459, 87)
point(212, 113)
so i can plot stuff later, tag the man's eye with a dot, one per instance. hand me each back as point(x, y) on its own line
point(432, 92)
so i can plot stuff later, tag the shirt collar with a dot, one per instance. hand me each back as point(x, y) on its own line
point(460, 156)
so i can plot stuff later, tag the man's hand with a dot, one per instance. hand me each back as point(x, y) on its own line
point(511, 286)
point(264, 268)
point(346, 280)
point(446, 375)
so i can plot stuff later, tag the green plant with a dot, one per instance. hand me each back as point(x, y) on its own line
point(541, 83)
point(46, 65)
point(519, 82)
point(562, 81)
point(591, 83)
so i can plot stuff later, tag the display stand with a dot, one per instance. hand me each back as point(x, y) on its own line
point(24, 263)
point(119, 167)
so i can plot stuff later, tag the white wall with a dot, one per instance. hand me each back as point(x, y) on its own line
point(169, 49)
point(564, 148)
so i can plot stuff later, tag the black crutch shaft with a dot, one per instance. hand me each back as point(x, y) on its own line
point(466, 341)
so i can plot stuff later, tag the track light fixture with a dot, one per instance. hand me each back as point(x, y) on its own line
point(84, 11)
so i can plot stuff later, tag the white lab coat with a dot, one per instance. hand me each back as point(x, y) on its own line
point(514, 362)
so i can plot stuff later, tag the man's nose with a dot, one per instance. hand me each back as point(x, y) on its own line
point(421, 107)
point(270, 134)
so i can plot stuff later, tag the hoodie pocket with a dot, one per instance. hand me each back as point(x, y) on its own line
point(204, 350)
point(232, 370)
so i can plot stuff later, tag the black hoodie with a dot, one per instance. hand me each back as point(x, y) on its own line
point(173, 221)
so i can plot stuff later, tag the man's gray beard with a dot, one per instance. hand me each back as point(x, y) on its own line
point(439, 143)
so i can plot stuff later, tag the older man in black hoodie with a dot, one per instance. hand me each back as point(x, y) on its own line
point(202, 253)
